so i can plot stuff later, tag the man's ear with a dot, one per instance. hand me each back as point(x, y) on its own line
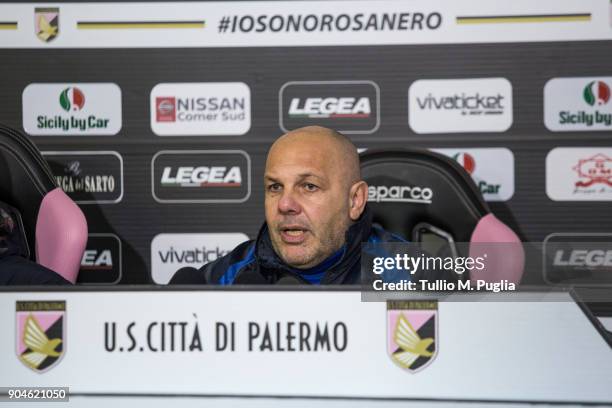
point(358, 197)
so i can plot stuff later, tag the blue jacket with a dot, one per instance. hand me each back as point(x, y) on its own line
point(255, 261)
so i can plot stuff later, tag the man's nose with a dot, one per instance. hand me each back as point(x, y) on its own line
point(288, 203)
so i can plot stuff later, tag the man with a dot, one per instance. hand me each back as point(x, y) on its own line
point(316, 217)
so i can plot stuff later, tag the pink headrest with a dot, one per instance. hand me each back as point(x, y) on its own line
point(505, 255)
point(61, 234)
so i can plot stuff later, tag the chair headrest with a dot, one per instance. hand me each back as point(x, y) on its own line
point(412, 186)
point(25, 178)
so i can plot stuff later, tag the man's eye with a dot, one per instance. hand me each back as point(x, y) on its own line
point(310, 187)
point(274, 187)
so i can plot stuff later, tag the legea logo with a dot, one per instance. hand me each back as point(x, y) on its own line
point(72, 109)
point(400, 194)
point(572, 104)
point(578, 258)
point(201, 109)
point(492, 169)
point(579, 174)
point(203, 176)
point(329, 108)
point(347, 106)
point(101, 260)
point(170, 252)
point(460, 105)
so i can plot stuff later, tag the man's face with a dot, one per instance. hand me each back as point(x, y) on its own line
point(307, 202)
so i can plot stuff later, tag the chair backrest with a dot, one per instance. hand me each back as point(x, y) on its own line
point(412, 189)
point(54, 225)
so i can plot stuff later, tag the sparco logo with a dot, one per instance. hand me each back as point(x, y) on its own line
point(400, 194)
point(579, 174)
point(347, 106)
point(201, 176)
point(581, 258)
point(577, 104)
point(101, 260)
point(72, 109)
point(169, 252)
point(460, 105)
point(215, 108)
point(88, 177)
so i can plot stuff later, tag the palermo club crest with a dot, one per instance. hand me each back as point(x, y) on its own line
point(46, 23)
point(412, 328)
point(41, 327)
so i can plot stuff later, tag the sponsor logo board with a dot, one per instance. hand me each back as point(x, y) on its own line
point(72, 109)
point(101, 261)
point(201, 109)
point(492, 169)
point(579, 174)
point(201, 176)
point(346, 106)
point(460, 105)
point(88, 177)
point(578, 259)
point(170, 252)
point(572, 104)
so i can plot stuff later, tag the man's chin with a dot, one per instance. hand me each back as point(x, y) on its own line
point(297, 260)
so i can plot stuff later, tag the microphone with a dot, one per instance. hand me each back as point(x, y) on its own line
point(188, 275)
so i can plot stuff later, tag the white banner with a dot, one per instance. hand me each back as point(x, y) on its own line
point(300, 23)
point(297, 343)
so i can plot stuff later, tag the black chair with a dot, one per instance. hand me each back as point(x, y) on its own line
point(55, 227)
point(427, 197)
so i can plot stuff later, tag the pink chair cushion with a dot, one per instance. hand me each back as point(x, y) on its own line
point(61, 234)
point(505, 253)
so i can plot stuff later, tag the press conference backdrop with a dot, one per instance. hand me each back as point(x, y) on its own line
point(156, 117)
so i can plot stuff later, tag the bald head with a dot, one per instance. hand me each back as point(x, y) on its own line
point(333, 148)
point(313, 192)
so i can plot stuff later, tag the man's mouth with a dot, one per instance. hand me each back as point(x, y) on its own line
point(293, 234)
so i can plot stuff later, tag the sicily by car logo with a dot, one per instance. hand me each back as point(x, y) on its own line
point(596, 93)
point(72, 99)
